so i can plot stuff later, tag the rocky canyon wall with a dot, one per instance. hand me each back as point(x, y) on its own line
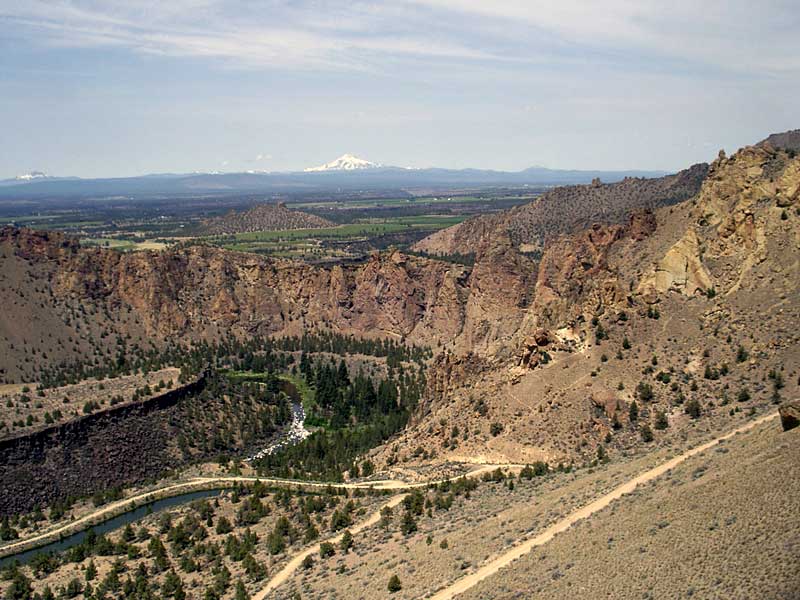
point(114, 447)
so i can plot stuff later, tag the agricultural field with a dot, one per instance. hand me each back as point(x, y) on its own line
point(344, 241)
point(363, 225)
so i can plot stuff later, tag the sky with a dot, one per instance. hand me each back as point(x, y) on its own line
point(127, 87)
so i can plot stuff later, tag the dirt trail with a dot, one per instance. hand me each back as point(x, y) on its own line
point(516, 552)
point(283, 575)
point(203, 483)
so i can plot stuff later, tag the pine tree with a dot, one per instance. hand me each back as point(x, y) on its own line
point(409, 524)
point(692, 408)
point(394, 584)
point(91, 571)
point(326, 549)
point(633, 411)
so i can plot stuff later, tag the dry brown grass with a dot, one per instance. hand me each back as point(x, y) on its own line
point(722, 525)
point(677, 534)
point(475, 529)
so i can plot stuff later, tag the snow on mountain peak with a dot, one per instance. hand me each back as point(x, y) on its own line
point(32, 175)
point(346, 162)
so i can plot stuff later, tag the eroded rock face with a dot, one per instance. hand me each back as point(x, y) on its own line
point(738, 186)
point(574, 277)
point(609, 403)
point(738, 207)
point(681, 270)
point(501, 288)
point(200, 290)
point(538, 348)
point(641, 224)
point(448, 372)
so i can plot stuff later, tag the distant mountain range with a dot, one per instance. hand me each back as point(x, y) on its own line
point(346, 173)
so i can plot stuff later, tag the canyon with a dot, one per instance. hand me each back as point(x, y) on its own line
point(723, 258)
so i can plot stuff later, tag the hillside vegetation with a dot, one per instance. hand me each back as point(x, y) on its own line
point(263, 217)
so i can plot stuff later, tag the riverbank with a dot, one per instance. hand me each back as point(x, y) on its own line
point(115, 509)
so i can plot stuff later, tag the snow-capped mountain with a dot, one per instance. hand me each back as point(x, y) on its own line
point(346, 162)
point(31, 176)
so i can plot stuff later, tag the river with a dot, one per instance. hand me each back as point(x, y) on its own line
point(293, 434)
point(113, 523)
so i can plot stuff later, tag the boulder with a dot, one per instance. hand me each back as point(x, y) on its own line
point(641, 224)
point(542, 337)
point(607, 402)
point(790, 415)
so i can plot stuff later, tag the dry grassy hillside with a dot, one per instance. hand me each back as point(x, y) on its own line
point(565, 210)
point(722, 525)
point(735, 531)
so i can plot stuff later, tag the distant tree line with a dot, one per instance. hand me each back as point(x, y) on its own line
point(258, 354)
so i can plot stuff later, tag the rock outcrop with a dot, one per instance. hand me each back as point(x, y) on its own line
point(681, 270)
point(574, 277)
point(743, 199)
point(201, 291)
point(790, 415)
point(788, 140)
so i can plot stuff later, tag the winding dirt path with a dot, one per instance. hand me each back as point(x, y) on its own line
point(545, 536)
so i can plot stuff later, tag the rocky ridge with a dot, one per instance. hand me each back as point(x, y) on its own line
point(565, 210)
point(657, 291)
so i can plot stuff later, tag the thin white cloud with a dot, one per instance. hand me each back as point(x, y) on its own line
point(734, 35)
point(277, 35)
point(738, 35)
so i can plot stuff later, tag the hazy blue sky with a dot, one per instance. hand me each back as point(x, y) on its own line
point(125, 87)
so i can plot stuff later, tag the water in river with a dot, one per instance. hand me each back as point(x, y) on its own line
point(295, 433)
point(110, 525)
